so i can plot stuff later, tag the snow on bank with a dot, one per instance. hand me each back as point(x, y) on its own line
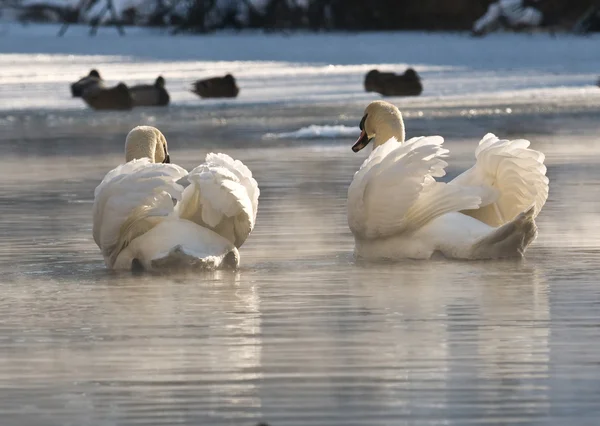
point(316, 132)
point(457, 70)
point(144, 8)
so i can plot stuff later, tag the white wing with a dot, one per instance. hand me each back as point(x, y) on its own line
point(223, 196)
point(130, 200)
point(394, 191)
point(511, 176)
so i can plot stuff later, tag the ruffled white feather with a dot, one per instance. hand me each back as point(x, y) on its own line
point(395, 191)
point(511, 175)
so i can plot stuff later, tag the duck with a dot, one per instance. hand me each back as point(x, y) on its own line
point(391, 84)
point(150, 215)
point(90, 81)
point(108, 98)
point(150, 94)
point(397, 209)
point(216, 87)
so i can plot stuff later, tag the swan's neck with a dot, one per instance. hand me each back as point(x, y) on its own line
point(140, 148)
point(389, 129)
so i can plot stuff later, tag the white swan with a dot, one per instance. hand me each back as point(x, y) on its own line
point(396, 208)
point(144, 219)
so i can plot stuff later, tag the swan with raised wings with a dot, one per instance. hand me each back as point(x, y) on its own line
point(397, 209)
point(144, 218)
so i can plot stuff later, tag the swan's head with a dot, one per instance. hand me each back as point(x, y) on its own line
point(381, 121)
point(146, 141)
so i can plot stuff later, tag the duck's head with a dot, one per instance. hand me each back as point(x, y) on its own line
point(381, 121)
point(93, 79)
point(160, 81)
point(122, 89)
point(411, 74)
point(146, 141)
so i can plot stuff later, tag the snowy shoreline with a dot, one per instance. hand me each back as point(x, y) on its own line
point(503, 69)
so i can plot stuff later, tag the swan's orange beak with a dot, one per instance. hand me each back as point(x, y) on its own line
point(362, 141)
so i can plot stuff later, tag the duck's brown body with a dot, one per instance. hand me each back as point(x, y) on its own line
point(150, 94)
point(391, 84)
point(94, 92)
point(114, 98)
point(216, 87)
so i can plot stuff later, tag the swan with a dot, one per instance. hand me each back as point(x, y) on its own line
point(397, 209)
point(144, 219)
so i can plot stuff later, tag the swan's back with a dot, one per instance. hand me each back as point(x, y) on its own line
point(131, 200)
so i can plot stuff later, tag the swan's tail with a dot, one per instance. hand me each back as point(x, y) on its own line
point(181, 258)
point(176, 244)
point(509, 240)
point(514, 176)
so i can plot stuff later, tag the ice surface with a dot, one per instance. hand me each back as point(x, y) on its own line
point(456, 69)
point(316, 132)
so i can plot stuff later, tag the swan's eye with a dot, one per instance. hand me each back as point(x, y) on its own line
point(361, 126)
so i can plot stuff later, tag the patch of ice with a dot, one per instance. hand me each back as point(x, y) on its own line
point(457, 71)
point(315, 131)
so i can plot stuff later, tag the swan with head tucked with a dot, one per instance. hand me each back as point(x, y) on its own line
point(144, 219)
point(397, 209)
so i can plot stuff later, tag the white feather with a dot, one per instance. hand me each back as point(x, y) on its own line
point(243, 174)
point(512, 177)
point(395, 191)
point(130, 195)
point(223, 197)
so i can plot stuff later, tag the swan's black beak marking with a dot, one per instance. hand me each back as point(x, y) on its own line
point(363, 139)
point(167, 158)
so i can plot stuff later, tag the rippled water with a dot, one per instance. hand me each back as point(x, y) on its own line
point(301, 334)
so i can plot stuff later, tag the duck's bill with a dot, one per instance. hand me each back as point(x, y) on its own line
point(362, 141)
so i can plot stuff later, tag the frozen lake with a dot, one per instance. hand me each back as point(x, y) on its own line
point(301, 334)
